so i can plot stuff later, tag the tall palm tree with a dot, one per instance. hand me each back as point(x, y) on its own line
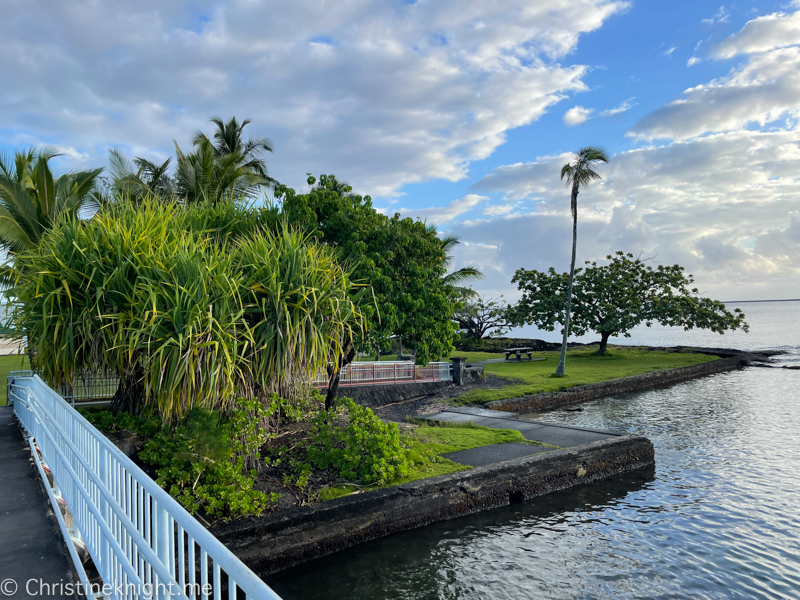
point(228, 141)
point(579, 172)
point(32, 200)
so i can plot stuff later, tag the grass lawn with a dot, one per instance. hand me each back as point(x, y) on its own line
point(15, 362)
point(583, 367)
point(427, 442)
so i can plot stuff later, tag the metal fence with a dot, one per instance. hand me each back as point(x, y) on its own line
point(87, 389)
point(142, 542)
point(382, 373)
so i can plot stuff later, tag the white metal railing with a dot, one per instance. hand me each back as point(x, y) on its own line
point(142, 542)
point(381, 373)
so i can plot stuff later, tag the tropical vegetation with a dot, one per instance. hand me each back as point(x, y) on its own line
point(577, 173)
point(33, 200)
point(614, 298)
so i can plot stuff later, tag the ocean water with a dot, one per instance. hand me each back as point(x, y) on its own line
point(718, 516)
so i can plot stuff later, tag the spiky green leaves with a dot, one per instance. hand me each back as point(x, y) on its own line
point(186, 296)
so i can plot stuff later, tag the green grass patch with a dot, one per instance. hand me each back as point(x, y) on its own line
point(426, 443)
point(15, 362)
point(583, 367)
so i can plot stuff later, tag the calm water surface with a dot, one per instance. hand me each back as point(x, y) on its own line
point(718, 517)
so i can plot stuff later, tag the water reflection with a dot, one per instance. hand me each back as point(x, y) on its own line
point(470, 555)
point(719, 517)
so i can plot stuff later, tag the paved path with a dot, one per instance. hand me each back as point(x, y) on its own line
point(32, 547)
point(535, 431)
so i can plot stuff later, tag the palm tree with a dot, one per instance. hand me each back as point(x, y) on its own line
point(239, 163)
point(579, 172)
point(32, 200)
point(140, 178)
point(462, 275)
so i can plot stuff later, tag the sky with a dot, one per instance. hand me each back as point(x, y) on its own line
point(458, 112)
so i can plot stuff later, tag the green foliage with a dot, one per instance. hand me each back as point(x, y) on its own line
point(198, 464)
point(109, 422)
point(193, 305)
point(612, 299)
point(32, 200)
point(366, 450)
point(299, 306)
point(402, 260)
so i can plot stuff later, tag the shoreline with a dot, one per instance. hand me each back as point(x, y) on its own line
point(276, 541)
point(729, 360)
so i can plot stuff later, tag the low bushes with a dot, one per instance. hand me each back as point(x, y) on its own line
point(367, 450)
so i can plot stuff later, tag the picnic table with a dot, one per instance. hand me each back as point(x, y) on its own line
point(518, 352)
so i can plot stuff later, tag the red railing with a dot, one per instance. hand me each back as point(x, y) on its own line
point(387, 373)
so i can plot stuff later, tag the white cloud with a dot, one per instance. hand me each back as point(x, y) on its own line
point(669, 51)
point(499, 210)
point(764, 90)
point(382, 94)
point(444, 214)
point(693, 60)
point(699, 203)
point(624, 107)
point(577, 115)
point(721, 16)
point(762, 34)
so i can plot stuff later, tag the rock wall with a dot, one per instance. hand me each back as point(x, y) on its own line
point(276, 541)
point(549, 400)
point(374, 396)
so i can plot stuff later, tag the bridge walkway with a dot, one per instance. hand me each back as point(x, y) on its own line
point(31, 544)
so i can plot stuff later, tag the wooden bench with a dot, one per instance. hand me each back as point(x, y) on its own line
point(518, 352)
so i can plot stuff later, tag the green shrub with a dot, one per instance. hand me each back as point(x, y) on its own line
point(201, 462)
point(109, 422)
point(366, 450)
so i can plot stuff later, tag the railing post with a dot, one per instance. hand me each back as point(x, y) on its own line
point(395, 372)
point(373, 374)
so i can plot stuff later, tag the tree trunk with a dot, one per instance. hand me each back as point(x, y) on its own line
point(574, 204)
point(604, 335)
point(333, 378)
point(130, 393)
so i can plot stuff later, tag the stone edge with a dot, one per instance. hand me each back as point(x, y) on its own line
point(276, 541)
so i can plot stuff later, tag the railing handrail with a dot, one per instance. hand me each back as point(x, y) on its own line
point(363, 373)
point(222, 558)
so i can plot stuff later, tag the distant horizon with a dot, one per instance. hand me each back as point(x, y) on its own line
point(746, 301)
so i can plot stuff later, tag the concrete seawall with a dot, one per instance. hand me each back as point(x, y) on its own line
point(549, 400)
point(276, 541)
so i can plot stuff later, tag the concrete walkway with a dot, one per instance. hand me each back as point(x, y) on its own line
point(560, 436)
point(32, 547)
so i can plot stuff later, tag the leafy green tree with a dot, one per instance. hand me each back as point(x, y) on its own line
point(479, 315)
point(401, 260)
point(612, 299)
point(578, 173)
point(32, 200)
